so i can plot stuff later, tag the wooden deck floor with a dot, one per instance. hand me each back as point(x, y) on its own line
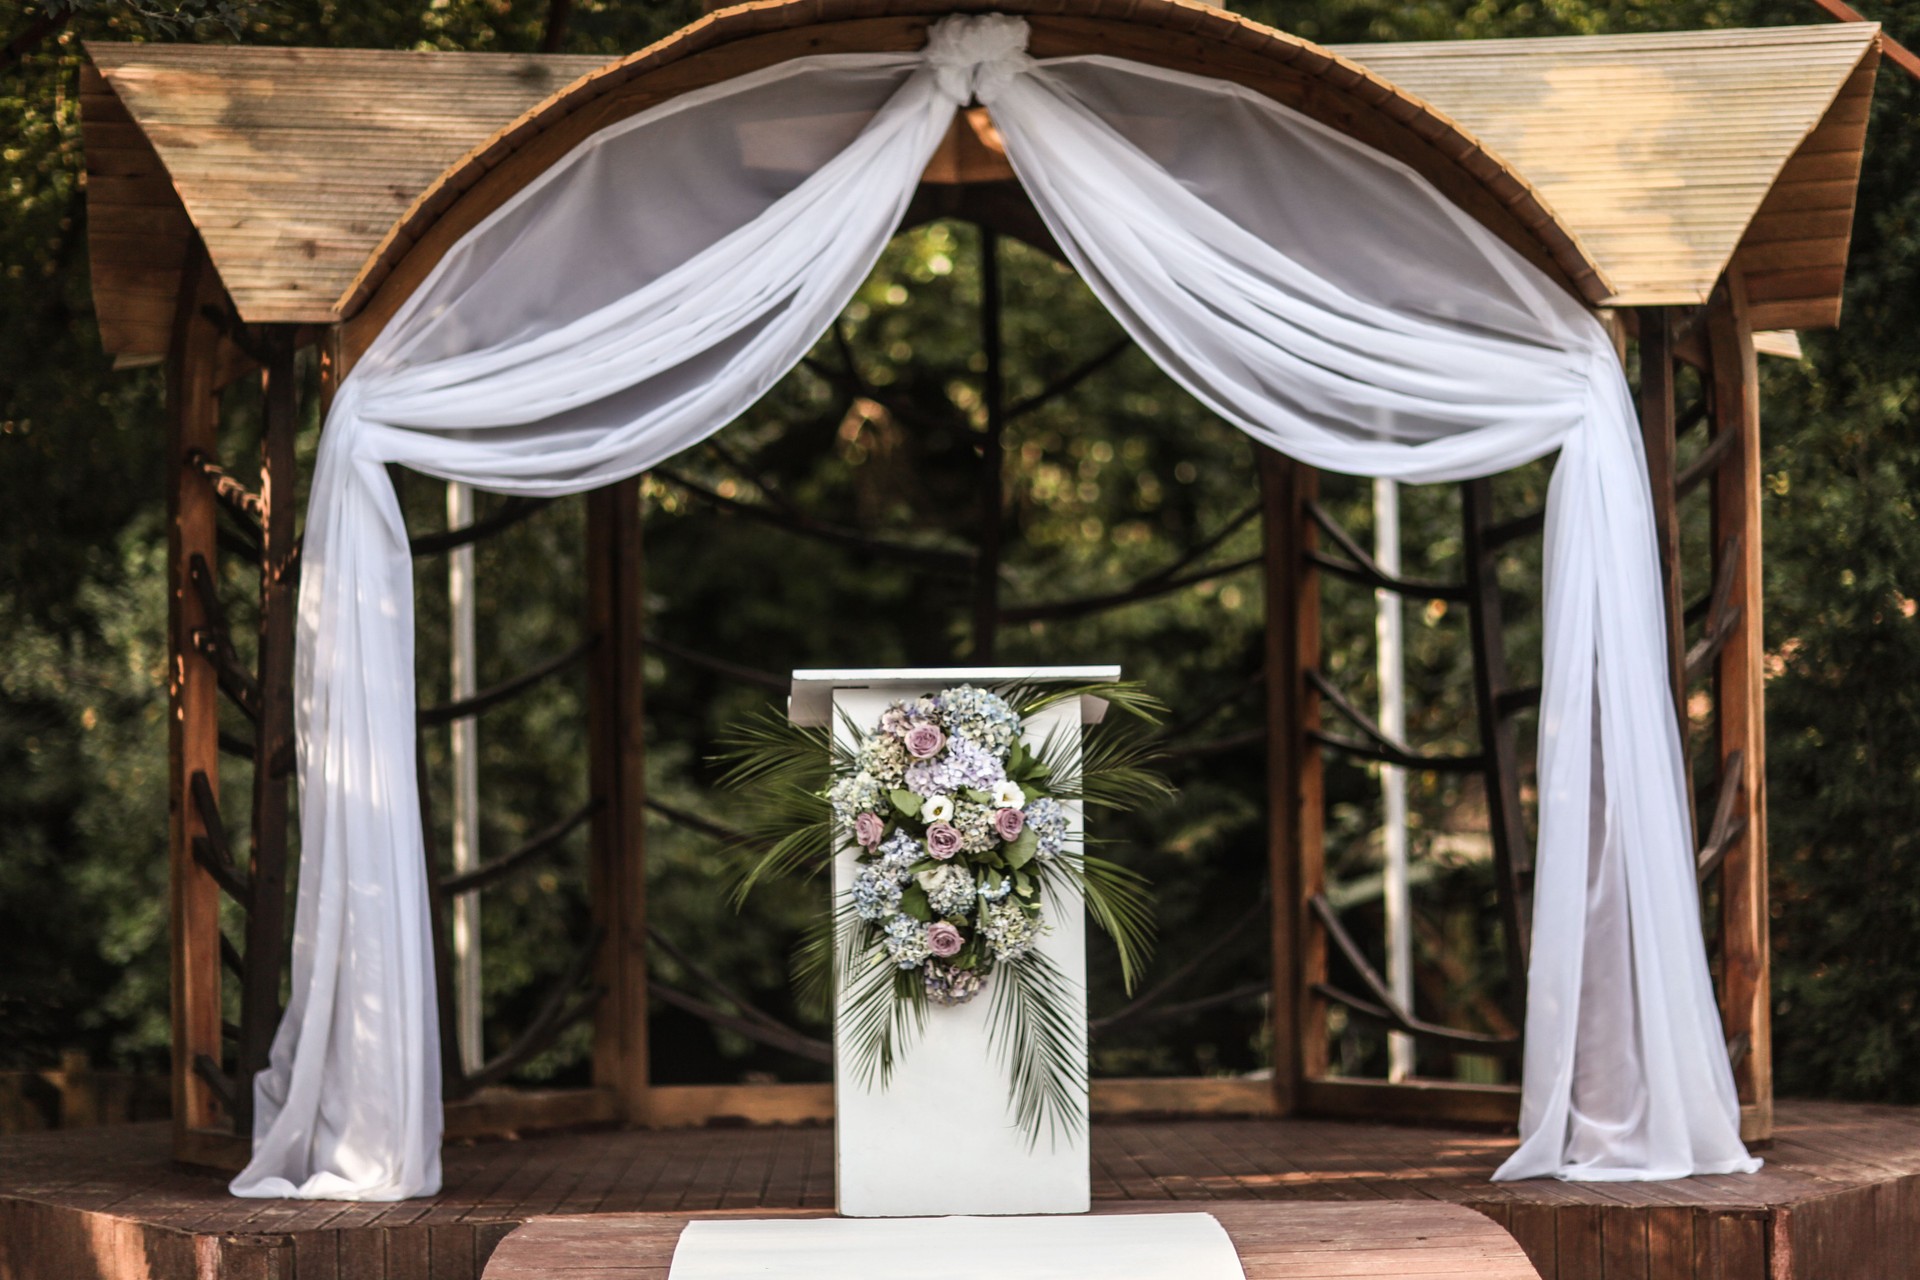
point(1838, 1200)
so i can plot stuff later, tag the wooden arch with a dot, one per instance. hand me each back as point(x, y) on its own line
point(152, 157)
point(1177, 34)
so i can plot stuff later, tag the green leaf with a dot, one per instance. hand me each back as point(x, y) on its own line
point(906, 803)
point(913, 902)
point(1023, 849)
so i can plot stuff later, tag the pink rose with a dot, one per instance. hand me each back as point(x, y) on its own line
point(944, 940)
point(925, 740)
point(867, 830)
point(943, 840)
point(1009, 823)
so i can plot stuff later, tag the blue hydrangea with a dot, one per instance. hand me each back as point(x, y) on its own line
point(875, 893)
point(963, 764)
point(906, 942)
point(898, 854)
point(980, 717)
point(1048, 822)
point(950, 889)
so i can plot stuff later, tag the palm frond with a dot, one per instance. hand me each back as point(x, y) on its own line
point(1130, 696)
point(786, 829)
point(1042, 1049)
point(1120, 900)
point(813, 960)
point(766, 747)
point(883, 1008)
point(1118, 767)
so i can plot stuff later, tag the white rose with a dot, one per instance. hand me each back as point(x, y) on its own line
point(936, 808)
point(1008, 795)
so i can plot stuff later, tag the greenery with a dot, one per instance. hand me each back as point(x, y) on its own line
point(814, 788)
point(879, 433)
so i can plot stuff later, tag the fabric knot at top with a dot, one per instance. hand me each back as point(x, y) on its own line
point(977, 55)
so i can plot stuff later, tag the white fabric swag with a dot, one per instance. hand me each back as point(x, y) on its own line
point(668, 271)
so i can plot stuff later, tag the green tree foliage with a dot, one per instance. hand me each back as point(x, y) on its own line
point(879, 433)
point(1843, 539)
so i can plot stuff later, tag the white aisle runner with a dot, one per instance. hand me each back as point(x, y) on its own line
point(1144, 1246)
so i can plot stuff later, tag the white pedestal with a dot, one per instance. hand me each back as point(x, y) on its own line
point(940, 1137)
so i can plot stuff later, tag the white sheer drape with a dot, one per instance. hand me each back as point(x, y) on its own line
point(668, 271)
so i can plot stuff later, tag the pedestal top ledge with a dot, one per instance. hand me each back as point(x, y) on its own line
point(811, 702)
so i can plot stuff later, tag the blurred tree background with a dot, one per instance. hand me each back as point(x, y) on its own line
point(1121, 481)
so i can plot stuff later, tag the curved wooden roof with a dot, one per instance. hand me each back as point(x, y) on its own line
point(311, 175)
point(1180, 34)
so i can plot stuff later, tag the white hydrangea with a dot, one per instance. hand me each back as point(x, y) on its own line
point(1009, 930)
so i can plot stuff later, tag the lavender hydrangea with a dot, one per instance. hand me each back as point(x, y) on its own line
point(899, 718)
point(963, 764)
point(1009, 930)
point(1048, 822)
point(981, 717)
point(947, 985)
point(906, 941)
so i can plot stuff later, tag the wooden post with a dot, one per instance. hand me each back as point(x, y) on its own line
point(273, 742)
point(617, 745)
point(1294, 825)
point(193, 731)
point(1740, 709)
point(1657, 432)
point(1507, 823)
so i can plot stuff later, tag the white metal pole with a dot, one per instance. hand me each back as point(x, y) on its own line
point(466, 784)
point(1388, 611)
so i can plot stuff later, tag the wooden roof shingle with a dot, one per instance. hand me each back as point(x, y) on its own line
point(1660, 154)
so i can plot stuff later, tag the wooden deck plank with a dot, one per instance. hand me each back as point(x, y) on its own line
point(1840, 1195)
point(1275, 1242)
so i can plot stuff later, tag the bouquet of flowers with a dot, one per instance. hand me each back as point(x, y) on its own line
point(964, 844)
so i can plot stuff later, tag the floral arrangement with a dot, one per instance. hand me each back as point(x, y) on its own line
point(965, 848)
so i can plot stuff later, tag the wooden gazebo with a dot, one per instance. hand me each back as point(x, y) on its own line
point(248, 203)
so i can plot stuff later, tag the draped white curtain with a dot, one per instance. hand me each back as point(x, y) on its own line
point(659, 279)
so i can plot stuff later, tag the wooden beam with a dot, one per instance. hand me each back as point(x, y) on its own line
point(1294, 820)
point(1507, 823)
point(1421, 1101)
point(1660, 439)
point(193, 728)
point(1740, 706)
point(507, 1113)
point(617, 764)
point(1895, 52)
point(266, 937)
